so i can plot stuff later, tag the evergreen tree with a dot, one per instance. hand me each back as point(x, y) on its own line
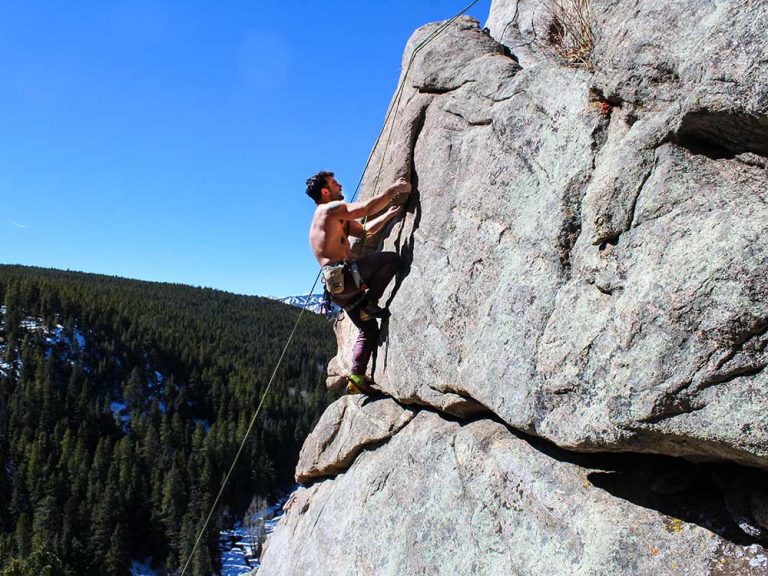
point(190, 366)
point(117, 560)
point(39, 563)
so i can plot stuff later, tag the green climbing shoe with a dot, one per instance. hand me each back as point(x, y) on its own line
point(358, 384)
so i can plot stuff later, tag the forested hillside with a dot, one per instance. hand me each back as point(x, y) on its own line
point(122, 405)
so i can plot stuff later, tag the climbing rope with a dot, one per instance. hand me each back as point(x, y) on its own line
point(395, 109)
point(398, 97)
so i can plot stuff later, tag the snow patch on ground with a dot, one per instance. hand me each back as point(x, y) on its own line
point(80, 338)
point(31, 323)
point(120, 413)
point(142, 569)
point(58, 336)
point(52, 336)
point(237, 554)
point(235, 546)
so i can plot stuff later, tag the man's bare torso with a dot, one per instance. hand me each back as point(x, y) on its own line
point(328, 235)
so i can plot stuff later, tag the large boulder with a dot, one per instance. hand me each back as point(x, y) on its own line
point(584, 247)
point(345, 429)
point(444, 497)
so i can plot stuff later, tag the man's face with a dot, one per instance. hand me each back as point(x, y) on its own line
point(334, 189)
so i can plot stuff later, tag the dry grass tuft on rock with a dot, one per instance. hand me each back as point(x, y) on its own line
point(570, 34)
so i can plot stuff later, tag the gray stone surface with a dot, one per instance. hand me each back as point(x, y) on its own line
point(472, 499)
point(585, 262)
point(521, 26)
point(585, 251)
point(345, 429)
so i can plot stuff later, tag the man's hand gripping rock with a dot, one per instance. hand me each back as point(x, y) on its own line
point(399, 192)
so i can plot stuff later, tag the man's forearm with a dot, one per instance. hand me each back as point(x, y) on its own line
point(380, 202)
point(373, 226)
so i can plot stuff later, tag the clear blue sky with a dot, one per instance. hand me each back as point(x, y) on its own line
point(170, 141)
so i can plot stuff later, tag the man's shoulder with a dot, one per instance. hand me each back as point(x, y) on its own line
point(325, 212)
point(335, 205)
point(329, 208)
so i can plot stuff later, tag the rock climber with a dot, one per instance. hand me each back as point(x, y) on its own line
point(355, 285)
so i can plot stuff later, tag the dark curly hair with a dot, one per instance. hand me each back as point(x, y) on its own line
point(316, 183)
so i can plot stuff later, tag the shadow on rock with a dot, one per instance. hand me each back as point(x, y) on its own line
point(728, 499)
point(405, 248)
point(687, 493)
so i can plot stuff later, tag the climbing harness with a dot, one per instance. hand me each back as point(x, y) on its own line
point(356, 274)
point(335, 285)
point(333, 277)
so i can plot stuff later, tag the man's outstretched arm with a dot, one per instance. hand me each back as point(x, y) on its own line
point(355, 210)
point(376, 224)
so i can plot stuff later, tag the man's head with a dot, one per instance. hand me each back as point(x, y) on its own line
point(322, 188)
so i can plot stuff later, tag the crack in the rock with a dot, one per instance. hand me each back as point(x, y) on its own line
point(749, 159)
point(671, 485)
point(761, 329)
point(631, 218)
point(496, 100)
point(511, 21)
point(484, 122)
point(473, 405)
point(670, 407)
point(604, 290)
point(438, 90)
point(683, 398)
point(743, 371)
point(405, 247)
point(534, 40)
point(750, 369)
point(571, 224)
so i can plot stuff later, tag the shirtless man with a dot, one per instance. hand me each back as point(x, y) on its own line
point(355, 285)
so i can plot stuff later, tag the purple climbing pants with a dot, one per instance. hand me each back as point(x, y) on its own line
point(376, 270)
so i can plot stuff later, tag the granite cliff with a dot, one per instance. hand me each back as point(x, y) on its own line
point(575, 363)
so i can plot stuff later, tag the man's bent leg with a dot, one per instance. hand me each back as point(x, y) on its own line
point(377, 270)
point(367, 338)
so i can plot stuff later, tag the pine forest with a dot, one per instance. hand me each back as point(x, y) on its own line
point(122, 406)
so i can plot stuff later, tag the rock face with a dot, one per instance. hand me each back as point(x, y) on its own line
point(586, 256)
point(586, 263)
point(472, 499)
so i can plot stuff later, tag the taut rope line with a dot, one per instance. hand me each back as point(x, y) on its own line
point(394, 108)
point(399, 95)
